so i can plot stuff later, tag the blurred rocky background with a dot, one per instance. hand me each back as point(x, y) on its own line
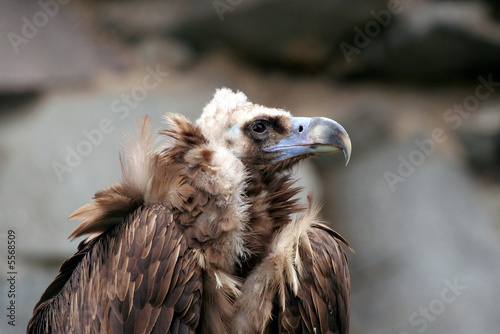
point(415, 83)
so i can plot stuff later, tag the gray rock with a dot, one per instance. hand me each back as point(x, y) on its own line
point(481, 138)
point(414, 243)
point(45, 46)
point(419, 41)
point(430, 41)
point(300, 34)
point(165, 51)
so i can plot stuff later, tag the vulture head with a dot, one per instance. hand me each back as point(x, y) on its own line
point(266, 138)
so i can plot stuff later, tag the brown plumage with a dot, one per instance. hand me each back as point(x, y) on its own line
point(203, 234)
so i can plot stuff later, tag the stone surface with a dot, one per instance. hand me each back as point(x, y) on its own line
point(481, 139)
point(299, 34)
point(44, 46)
point(411, 243)
point(410, 41)
point(434, 41)
point(165, 51)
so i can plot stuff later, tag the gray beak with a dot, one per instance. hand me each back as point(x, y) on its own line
point(317, 135)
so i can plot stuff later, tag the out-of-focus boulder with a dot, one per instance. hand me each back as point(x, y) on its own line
point(165, 51)
point(46, 44)
point(426, 252)
point(434, 41)
point(481, 138)
point(423, 41)
point(300, 34)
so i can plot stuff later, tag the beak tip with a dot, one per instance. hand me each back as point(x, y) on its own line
point(346, 147)
point(347, 158)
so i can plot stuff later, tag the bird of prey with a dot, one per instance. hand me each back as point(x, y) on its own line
point(204, 233)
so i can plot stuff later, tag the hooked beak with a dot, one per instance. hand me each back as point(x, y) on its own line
point(317, 135)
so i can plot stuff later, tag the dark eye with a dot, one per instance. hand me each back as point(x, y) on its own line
point(259, 127)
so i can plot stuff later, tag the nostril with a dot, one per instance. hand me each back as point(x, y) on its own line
point(301, 128)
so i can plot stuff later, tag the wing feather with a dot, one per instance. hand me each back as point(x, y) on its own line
point(322, 301)
point(139, 277)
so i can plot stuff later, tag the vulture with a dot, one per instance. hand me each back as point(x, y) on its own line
point(204, 234)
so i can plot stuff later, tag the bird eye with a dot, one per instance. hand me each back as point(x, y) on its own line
point(259, 127)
